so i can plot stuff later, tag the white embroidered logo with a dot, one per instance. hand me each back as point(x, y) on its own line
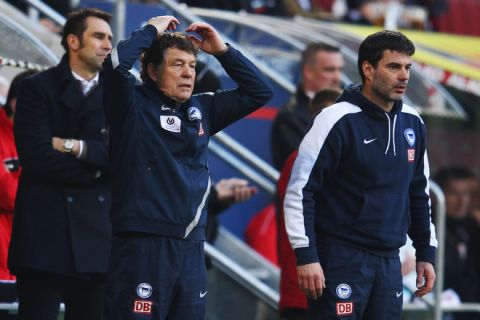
point(369, 141)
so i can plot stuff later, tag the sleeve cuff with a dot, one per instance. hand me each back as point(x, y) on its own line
point(426, 254)
point(150, 29)
point(228, 55)
point(80, 152)
point(306, 255)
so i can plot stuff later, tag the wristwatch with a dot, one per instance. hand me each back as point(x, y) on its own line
point(68, 145)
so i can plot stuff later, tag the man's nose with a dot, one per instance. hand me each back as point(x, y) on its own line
point(107, 44)
point(188, 71)
point(404, 74)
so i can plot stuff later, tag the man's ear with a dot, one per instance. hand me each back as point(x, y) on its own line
point(73, 42)
point(151, 71)
point(367, 70)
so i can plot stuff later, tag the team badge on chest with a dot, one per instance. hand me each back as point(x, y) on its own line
point(171, 123)
point(194, 113)
point(409, 136)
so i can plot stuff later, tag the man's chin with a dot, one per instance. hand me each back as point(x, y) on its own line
point(182, 98)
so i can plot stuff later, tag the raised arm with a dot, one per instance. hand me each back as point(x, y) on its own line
point(253, 90)
point(119, 82)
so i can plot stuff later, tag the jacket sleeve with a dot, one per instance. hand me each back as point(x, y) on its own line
point(318, 157)
point(8, 190)
point(253, 91)
point(33, 137)
point(97, 154)
point(119, 83)
point(422, 231)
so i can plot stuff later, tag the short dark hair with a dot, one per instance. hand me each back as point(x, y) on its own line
point(323, 99)
point(373, 47)
point(444, 176)
point(15, 89)
point(76, 23)
point(308, 55)
point(156, 53)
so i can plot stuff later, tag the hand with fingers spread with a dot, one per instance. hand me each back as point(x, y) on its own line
point(211, 41)
point(311, 280)
point(425, 278)
point(163, 23)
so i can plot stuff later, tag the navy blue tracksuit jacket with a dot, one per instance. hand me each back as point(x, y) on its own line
point(361, 179)
point(158, 148)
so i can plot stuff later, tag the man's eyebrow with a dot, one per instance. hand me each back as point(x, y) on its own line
point(184, 60)
point(101, 34)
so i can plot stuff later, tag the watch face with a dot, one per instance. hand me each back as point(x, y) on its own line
point(68, 145)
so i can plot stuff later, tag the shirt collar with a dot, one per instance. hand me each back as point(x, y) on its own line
point(87, 85)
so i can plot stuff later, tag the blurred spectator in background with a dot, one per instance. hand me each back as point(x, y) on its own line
point(321, 67)
point(9, 173)
point(387, 13)
point(461, 274)
point(63, 7)
point(293, 302)
point(234, 5)
point(270, 7)
point(474, 227)
point(304, 8)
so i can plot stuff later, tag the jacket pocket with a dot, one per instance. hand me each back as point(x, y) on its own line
point(384, 217)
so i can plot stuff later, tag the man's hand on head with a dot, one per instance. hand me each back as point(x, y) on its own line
point(163, 23)
point(211, 41)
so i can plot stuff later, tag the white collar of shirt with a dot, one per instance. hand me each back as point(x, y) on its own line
point(87, 85)
point(310, 94)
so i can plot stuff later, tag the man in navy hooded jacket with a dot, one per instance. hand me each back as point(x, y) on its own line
point(358, 186)
point(158, 138)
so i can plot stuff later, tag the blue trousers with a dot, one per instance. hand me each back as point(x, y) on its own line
point(156, 278)
point(359, 286)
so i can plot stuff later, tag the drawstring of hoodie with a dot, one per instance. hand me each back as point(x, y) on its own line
point(390, 134)
point(393, 133)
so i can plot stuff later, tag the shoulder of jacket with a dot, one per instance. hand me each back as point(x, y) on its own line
point(412, 111)
point(339, 110)
point(331, 117)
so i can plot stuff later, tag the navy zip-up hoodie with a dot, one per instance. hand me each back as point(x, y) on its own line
point(158, 148)
point(361, 179)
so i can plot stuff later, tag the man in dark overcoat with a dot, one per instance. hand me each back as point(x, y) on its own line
point(61, 232)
